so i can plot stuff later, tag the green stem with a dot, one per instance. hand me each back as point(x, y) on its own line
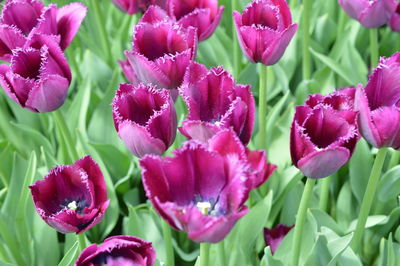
point(368, 199)
point(81, 240)
point(204, 254)
point(341, 23)
point(169, 249)
point(300, 219)
point(323, 201)
point(306, 39)
point(292, 4)
point(236, 49)
point(394, 159)
point(373, 36)
point(262, 107)
point(60, 121)
point(102, 31)
point(222, 254)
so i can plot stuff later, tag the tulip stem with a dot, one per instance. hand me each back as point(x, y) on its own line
point(262, 107)
point(66, 133)
point(204, 254)
point(368, 199)
point(300, 219)
point(306, 39)
point(373, 36)
point(169, 249)
point(394, 160)
point(236, 51)
point(81, 240)
point(221, 253)
point(324, 196)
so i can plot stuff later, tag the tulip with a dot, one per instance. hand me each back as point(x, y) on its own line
point(72, 198)
point(378, 105)
point(145, 119)
point(370, 13)
point(324, 133)
point(38, 77)
point(394, 21)
point(264, 30)
point(118, 250)
point(198, 191)
point(21, 19)
point(134, 6)
point(273, 237)
point(160, 55)
point(214, 103)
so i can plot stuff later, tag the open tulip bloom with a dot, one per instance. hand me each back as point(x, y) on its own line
point(21, 19)
point(39, 76)
point(118, 250)
point(324, 133)
point(145, 119)
point(264, 30)
point(72, 198)
point(160, 55)
point(370, 13)
point(214, 103)
point(378, 105)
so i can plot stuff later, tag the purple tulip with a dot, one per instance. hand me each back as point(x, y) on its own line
point(118, 250)
point(161, 53)
point(21, 19)
point(370, 13)
point(378, 105)
point(72, 198)
point(324, 133)
point(134, 6)
point(264, 30)
point(198, 191)
point(273, 237)
point(39, 76)
point(145, 119)
point(214, 103)
point(394, 21)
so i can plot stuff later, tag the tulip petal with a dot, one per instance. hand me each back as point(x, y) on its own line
point(198, 130)
point(384, 120)
point(377, 13)
point(10, 39)
point(154, 14)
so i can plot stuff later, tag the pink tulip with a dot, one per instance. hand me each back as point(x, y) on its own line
point(394, 21)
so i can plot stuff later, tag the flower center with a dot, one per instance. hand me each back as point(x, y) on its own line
point(208, 206)
point(77, 205)
point(204, 207)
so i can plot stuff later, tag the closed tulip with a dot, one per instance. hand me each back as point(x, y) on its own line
point(273, 237)
point(264, 30)
point(145, 119)
point(72, 198)
point(324, 133)
point(394, 21)
point(378, 105)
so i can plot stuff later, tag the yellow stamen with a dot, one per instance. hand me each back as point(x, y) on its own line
point(72, 205)
point(204, 207)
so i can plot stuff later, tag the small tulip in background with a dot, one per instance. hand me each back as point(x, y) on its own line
point(118, 250)
point(144, 118)
point(72, 198)
point(273, 237)
point(394, 21)
point(134, 6)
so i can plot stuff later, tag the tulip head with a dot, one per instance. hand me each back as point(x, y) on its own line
point(378, 105)
point(38, 77)
point(273, 237)
point(145, 119)
point(134, 6)
point(394, 21)
point(72, 198)
point(118, 250)
point(264, 30)
point(370, 13)
point(324, 133)
point(214, 103)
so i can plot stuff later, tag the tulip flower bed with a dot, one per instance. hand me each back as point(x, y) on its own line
point(183, 132)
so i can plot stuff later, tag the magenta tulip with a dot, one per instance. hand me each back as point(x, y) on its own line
point(134, 6)
point(118, 250)
point(198, 191)
point(394, 21)
point(324, 133)
point(370, 13)
point(378, 104)
point(145, 119)
point(214, 103)
point(72, 198)
point(273, 237)
point(264, 30)
point(38, 77)
point(161, 53)
point(21, 19)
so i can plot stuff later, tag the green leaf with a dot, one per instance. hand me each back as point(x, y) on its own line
point(70, 256)
point(269, 260)
point(372, 221)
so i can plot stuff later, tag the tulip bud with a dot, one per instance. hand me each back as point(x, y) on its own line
point(324, 133)
point(264, 30)
point(394, 21)
point(72, 198)
point(145, 119)
point(273, 237)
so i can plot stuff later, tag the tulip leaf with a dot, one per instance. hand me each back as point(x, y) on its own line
point(371, 222)
point(388, 187)
point(70, 256)
point(35, 136)
point(319, 254)
point(269, 260)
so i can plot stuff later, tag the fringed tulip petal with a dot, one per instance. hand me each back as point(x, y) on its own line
point(69, 19)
